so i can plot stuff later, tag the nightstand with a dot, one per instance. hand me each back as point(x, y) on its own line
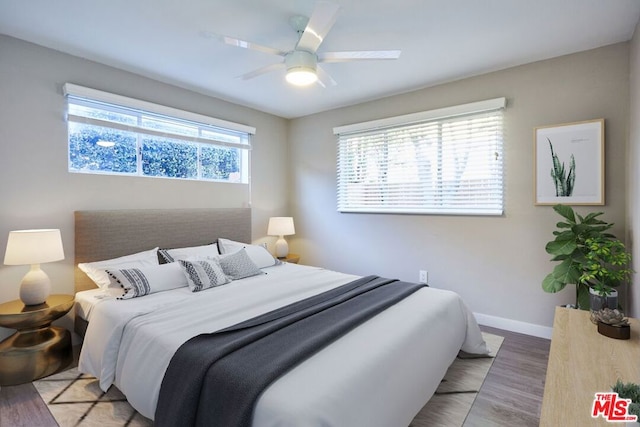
point(37, 349)
point(292, 258)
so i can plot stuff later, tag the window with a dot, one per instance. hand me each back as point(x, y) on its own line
point(112, 134)
point(446, 161)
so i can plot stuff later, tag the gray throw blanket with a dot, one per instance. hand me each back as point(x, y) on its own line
point(215, 379)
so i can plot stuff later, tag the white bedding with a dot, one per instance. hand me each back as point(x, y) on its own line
point(379, 374)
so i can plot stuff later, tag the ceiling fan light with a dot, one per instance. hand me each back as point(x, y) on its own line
point(301, 76)
point(301, 67)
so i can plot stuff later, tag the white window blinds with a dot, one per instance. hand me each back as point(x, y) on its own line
point(446, 161)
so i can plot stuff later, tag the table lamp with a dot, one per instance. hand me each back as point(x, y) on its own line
point(34, 247)
point(281, 226)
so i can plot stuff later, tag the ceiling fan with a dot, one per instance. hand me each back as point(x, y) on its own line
point(301, 63)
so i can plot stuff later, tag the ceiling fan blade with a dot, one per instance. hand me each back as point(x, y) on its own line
point(324, 79)
point(358, 55)
point(232, 41)
point(262, 70)
point(323, 17)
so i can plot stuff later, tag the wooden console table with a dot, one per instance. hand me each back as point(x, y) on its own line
point(581, 363)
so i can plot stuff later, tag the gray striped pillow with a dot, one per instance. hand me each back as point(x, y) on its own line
point(132, 280)
point(137, 282)
point(203, 274)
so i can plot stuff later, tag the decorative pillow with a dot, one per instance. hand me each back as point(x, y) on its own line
point(238, 265)
point(258, 254)
point(96, 270)
point(204, 251)
point(203, 274)
point(137, 282)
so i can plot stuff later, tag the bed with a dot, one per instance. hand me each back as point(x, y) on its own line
point(381, 373)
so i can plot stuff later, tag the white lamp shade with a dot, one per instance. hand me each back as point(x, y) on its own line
point(281, 226)
point(33, 247)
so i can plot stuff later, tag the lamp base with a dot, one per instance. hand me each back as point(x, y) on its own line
point(35, 286)
point(282, 247)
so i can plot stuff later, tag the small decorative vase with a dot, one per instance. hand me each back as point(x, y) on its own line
point(598, 302)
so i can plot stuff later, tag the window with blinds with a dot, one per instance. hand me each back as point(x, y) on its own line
point(116, 135)
point(446, 161)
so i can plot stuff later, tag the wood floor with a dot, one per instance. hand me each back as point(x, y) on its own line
point(510, 396)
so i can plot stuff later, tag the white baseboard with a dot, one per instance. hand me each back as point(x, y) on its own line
point(514, 325)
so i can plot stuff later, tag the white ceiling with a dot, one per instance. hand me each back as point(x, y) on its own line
point(441, 40)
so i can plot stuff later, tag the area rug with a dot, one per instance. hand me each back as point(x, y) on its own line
point(454, 398)
point(75, 400)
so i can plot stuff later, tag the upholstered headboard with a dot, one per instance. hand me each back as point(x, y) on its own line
point(107, 234)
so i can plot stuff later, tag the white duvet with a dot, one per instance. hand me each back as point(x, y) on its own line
point(379, 374)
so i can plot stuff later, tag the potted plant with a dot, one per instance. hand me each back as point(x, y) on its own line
point(629, 391)
point(590, 257)
point(605, 267)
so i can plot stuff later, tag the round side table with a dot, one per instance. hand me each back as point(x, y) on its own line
point(292, 258)
point(37, 349)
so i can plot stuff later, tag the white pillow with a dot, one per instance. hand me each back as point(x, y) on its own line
point(258, 254)
point(137, 282)
point(204, 251)
point(96, 270)
point(202, 274)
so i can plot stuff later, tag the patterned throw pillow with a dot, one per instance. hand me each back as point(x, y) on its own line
point(203, 274)
point(137, 282)
point(238, 265)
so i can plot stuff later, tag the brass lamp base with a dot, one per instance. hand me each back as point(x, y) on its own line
point(31, 354)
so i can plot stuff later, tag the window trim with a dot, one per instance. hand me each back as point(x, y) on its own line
point(83, 96)
point(436, 115)
point(70, 89)
point(440, 113)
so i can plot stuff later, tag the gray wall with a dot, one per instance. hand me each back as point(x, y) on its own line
point(633, 205)
point(495, 263)
point(37, 191)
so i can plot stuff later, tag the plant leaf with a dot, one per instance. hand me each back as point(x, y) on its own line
point(566, 211)
point(561, 246)
point(591, 217)
point(551, 284)
point(567, 271)
point(582, 297)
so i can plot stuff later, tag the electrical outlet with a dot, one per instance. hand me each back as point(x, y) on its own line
point(423, 277)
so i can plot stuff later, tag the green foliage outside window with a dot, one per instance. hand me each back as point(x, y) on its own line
point(161, 157)
point(86, 152)
point(220, 163)
point(100, 149)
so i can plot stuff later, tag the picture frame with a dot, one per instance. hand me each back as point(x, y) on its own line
point(569, 163)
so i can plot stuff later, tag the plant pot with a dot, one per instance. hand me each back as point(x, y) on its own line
point(598, 302)
point(618, 332)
